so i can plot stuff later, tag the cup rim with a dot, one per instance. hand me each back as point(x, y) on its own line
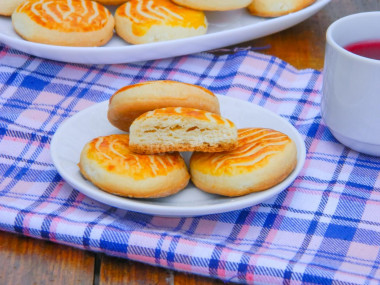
point(333, 43)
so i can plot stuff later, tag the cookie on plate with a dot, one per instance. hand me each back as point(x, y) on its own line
point(131, 101)
point(8, 6)
point(275, 8)
point(213, 5)
point(64, 22)
point(262, 159)
point(181, 129)
point(147, 21)
point(110, 165)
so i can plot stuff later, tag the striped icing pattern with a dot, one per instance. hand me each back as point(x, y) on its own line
point(66, 15)
point(112, 154)
point(145, 13)
point(255, 148)
point(190, 113)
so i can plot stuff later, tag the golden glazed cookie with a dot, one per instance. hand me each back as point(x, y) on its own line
point(213, 5)
point(262, 159)
point(64, 22)
point(146, 21)
point(8, 6)
point(132, 101)
point(275, 8)
point(110, 165)
point(181, 129)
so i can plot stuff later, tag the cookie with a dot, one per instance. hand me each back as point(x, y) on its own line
point(275, 8)
point(110, 165)
point(213, 5)
point(262, 159)
point(147, 21)
point(181, 129)
point(8, 6)
point(131, 101)
point(64, 22)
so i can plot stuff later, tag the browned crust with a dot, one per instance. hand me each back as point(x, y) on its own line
point(123, 114)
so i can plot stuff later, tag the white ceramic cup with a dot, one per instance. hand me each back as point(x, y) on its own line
point(351, 84)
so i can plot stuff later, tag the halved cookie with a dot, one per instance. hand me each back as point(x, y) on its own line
point(182, 129)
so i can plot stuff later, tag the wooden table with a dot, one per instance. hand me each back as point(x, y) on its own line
point(29, 261)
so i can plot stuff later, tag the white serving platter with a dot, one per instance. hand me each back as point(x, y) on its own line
point(225, 28)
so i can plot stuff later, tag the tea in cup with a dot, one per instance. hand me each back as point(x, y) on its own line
point(351, 82)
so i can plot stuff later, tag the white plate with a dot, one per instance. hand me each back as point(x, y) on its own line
point(92, 122)
point(225, 28)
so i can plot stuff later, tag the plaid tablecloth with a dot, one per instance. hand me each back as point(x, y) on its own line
point(323, 229)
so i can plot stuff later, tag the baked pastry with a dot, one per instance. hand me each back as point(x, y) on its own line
point(146, 21)
point(64, 22)
point(8, 6)
point(132, 101)
point(111, 2)
point(109, 164)
point(213, 5)
point(275, 8)
point(181, 129)
point(262, 159)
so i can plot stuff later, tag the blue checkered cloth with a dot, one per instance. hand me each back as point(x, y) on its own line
point(323, 229)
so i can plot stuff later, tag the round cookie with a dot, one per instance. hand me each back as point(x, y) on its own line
point(181, 129)
point(275, 8)
point(147, 21)
point(64, 22)
point(8, 6)
point(213, 5)
point(110, 165)
point(262, 159)
point(131, 101)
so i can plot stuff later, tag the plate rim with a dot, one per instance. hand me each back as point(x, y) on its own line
point(234, 203)
point(231, 36)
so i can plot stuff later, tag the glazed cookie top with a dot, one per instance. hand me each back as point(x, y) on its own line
point(112, 153)
point(66, 15)
point(256, 146)
point(145, 13)
point(188, 113)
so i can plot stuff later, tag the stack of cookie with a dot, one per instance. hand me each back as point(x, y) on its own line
point(89, 23)
point(164, 118)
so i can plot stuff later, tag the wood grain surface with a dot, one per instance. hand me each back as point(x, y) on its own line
point(29, 261)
